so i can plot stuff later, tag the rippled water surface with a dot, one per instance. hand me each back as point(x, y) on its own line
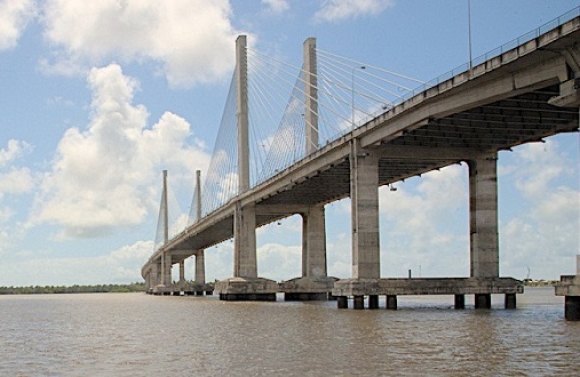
point(140, 335)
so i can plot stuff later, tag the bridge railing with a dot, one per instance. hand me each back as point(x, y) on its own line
point(508, 46)
point(465, 67)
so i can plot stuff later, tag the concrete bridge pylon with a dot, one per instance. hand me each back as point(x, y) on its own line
point(314, 284)
point(245, 284)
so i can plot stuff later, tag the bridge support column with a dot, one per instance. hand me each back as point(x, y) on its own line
point(182, 274)
point(391, 302)
point(364, 183)
point(483, 223)
point(153, 277)
point(314, 283)
point(245, 242)
point(245, 284)
point(200, 285)
point(167, 271)
point(160, 276)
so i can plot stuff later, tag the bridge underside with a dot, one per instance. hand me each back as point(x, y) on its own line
point(441, 142)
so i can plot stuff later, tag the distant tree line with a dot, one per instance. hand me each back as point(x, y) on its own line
point(540, 283)
point(51, 289)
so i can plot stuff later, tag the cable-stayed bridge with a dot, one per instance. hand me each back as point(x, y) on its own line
point(293, 139)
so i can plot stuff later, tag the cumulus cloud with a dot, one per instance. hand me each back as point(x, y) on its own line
point(102, 176)
point(548, 223)
point(339, 10)
point(192, 41)
point(15, 149)
point(119, 266)
point(277, 6)
point(424, 223)
point(14, 180)
point(14, 16)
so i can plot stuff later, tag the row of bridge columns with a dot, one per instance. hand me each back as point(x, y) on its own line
point(159, 279)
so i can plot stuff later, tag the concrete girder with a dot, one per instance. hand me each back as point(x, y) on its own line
point(474, 93)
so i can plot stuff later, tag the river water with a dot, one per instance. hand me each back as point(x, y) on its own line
point(133, 334)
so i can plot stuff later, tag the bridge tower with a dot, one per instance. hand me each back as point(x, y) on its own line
point(245, 284)
point(199, 276)
point(160, 272)
point(314, 284)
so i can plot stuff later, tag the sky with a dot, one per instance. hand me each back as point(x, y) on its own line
point(98, 98)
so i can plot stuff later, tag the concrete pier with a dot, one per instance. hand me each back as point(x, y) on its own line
point(481, 288)
point(392, 302)
point(484, 246)
point(569, 287)
point(307, 288)
point(246, 289)
point(314, 284)
point(483, 223)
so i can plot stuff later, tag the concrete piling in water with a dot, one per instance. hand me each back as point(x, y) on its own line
point(569, 287)
point(483, 301)
point(459, 302)
point(510, 301)
point(359, 302)
point(572, 308)
point(373, 302)
point(391, 302)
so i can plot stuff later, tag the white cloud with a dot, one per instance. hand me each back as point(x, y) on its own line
point(539, 165)
point(13, 181)
point(338, 10)
point(424, 223)
point(14, 150)
point(191, 40)
point(544, 233)
point(120, 266)
point(102, 177)
point(279, 262)
point(16, 181)
point(277, 6)
point(14, 16)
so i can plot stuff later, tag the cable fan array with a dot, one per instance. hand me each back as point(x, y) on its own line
point(170, 213)
point(349, 93)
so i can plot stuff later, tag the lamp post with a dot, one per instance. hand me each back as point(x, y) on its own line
point(469, 30)
point(352, 92)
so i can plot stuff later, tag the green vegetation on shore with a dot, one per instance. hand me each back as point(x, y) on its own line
point(50, 289)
